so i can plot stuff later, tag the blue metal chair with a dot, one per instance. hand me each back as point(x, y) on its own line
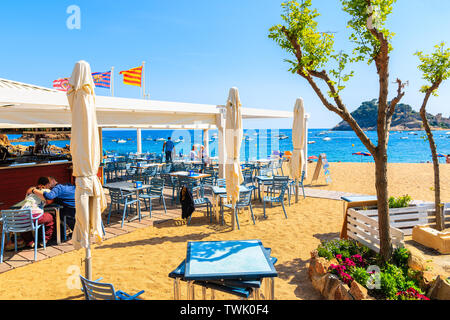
point(244, 202)
point(155, 191)
point(277, 199)
point(119, 197)
point(17, 221)
point(170, 182)
point(277, 182)
point(94, 290)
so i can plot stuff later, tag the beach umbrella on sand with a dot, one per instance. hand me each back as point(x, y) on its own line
point(313, 158)
point(90, 200)
point(362, 154)
point(233, 140)
point(297, 160)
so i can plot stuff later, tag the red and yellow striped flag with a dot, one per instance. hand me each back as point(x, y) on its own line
point(133, 76)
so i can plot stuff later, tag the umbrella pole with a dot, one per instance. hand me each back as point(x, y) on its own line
point(87, 261)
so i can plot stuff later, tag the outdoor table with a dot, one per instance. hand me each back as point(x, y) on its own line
point(129, 187)
point(216, 192)
point(354, 202)
point(56, 208)
point(262, 180)
point(196, 176)
point(237, 260)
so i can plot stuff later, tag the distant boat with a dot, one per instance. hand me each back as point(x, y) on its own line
point(447, 133)
point(283, 137)
point(129, 139)
point(326, 139)
point(311, 142)
point(114, 140)
point(149, 139)
point(177, 140)
point(322, 133)
point(404, 138)
point(121, 141)
point(160, 139)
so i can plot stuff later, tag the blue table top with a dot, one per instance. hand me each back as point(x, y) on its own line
point(124, 185)
point(240, 260)
point(359, 198)
point(220, 190)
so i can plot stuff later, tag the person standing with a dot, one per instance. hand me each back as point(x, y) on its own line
point(168, 148)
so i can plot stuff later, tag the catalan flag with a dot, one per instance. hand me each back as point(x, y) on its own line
point(102, 79)
point(61, 84)
point(133, 76)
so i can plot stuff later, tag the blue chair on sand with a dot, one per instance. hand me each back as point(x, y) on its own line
point(244, 202)
point(17, 221)
point(202, 203)
point(94, 290)
point(119, 197)
point(277, 199)
point(155, 191)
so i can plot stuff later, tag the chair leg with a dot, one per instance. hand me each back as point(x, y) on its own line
point(15, 241)
point(109, 213)
point(35, 243)
point(251, 211)
point(3, 246)
point(264, 206)
point(164, 204)
point(150, 205)
point(236, 215)
point(284, 210)
point(123, 214)
point(65, 228)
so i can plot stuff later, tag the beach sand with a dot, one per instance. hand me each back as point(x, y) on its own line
point(141, 260)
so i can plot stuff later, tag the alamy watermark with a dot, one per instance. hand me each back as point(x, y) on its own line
point(74, 19)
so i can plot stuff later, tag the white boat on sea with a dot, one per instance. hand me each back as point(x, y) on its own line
point(160, 139)
point(121, 141)
point(311, 142)
point(327, 139)
point(283, 137)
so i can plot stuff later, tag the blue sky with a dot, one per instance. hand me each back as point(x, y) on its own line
point(197, 49)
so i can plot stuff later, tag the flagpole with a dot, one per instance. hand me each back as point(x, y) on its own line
point(143, 79)
point(112, 81)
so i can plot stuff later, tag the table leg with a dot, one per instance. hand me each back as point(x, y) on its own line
point(204, 293)
point(176, 289)
point(256, 294)
point(58, 226)
point(213, 294)
point(190, 290)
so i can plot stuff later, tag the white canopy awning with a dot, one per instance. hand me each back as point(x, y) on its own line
point(29, 106)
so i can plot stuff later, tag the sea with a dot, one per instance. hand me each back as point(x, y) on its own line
point(339, 146)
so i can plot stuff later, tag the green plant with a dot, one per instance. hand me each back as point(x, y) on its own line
point(360, 275)
point(400, 202)
point(345, 248)
point(401, 257)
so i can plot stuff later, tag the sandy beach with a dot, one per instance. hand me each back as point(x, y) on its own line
point(141, 260)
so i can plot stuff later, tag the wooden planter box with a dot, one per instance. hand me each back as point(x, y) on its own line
point(432, 238)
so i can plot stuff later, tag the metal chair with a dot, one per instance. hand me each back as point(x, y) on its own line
point(17, 221)
point(94, 290)
point(119, 197)
point(155, 191)
point(278, 199)
point(277, 182)
point(170, 182)
point(244, 202)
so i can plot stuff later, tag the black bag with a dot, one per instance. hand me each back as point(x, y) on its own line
point(187, 203)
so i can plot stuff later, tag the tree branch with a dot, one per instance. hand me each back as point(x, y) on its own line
point(397, 99)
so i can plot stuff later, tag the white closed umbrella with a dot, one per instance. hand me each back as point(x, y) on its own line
point(90, 200)
point(233, 139)
point(297, 160)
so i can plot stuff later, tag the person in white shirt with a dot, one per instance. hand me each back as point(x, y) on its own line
point(193, 154)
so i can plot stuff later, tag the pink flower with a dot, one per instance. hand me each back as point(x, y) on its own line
point(339, 256)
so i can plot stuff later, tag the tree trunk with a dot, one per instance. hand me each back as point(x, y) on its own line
point(381, 186)
point(440, 222)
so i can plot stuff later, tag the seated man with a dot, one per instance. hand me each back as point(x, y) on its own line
point(64, 195)
point(36, 205)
